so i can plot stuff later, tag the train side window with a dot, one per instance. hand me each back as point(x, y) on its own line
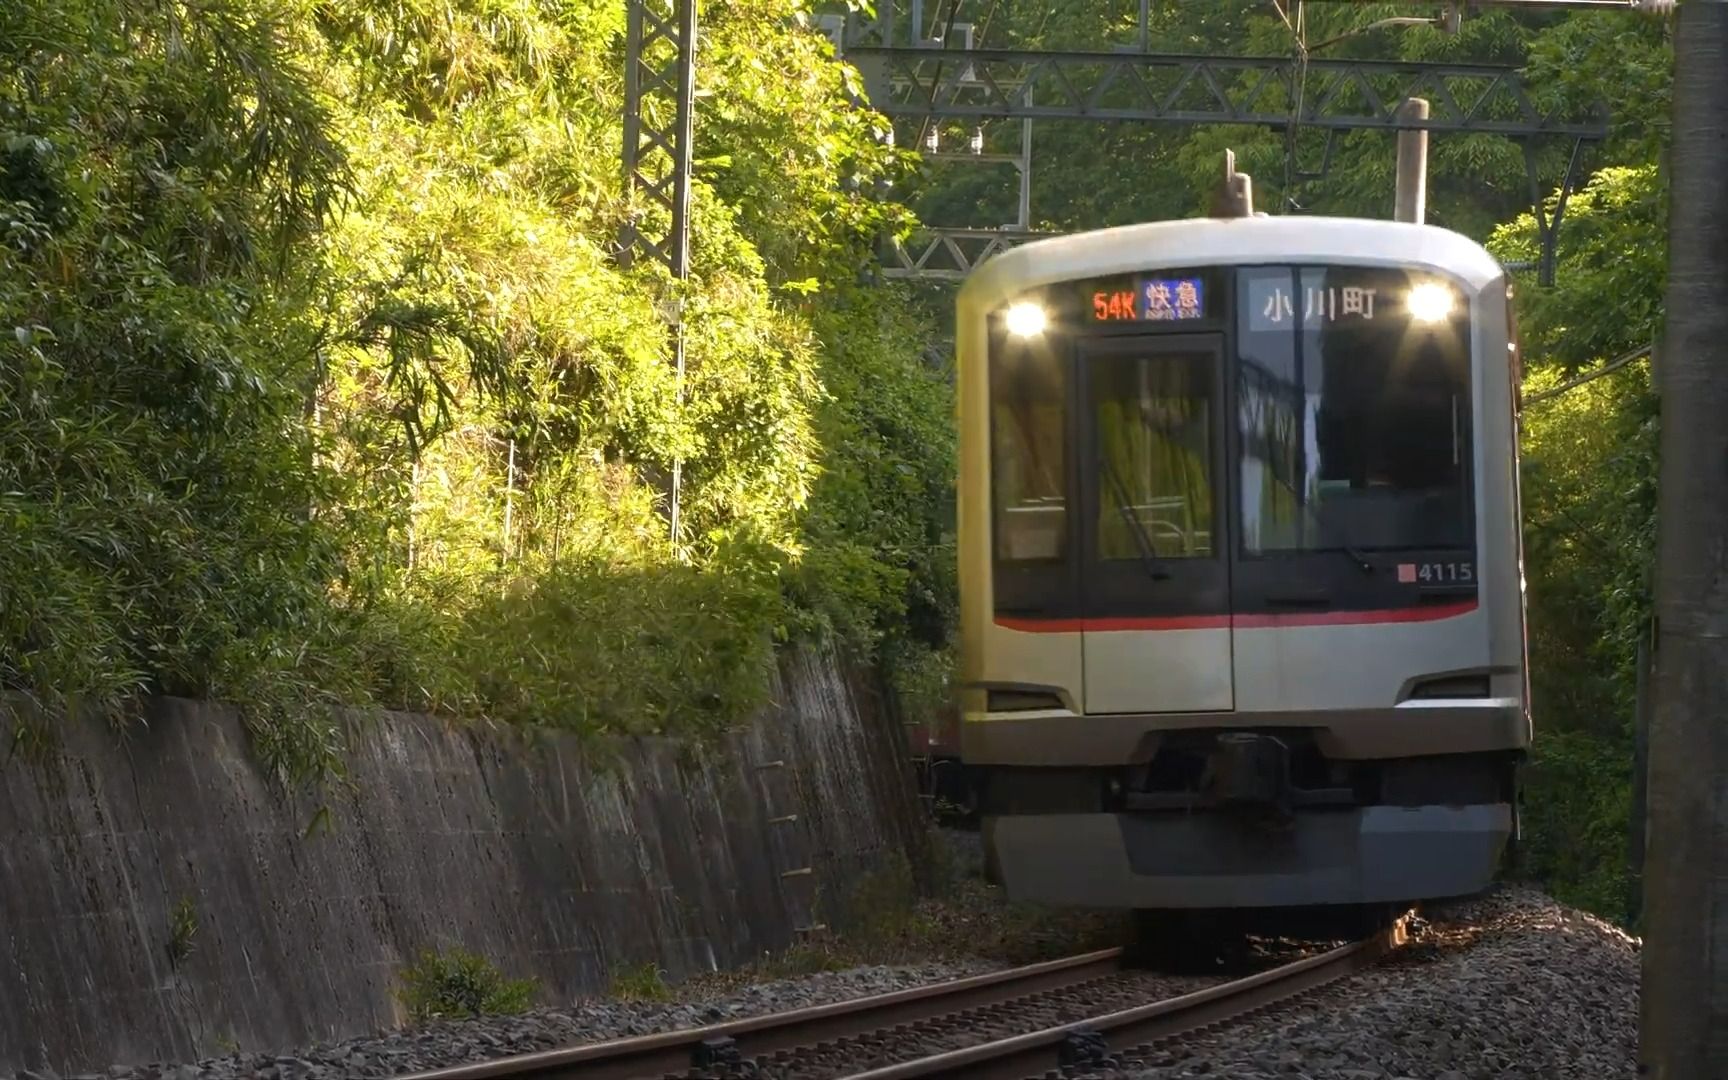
point(1029, 452)
point(1153, 416)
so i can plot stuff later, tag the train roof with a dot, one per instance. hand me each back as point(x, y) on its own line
point(1223, 241)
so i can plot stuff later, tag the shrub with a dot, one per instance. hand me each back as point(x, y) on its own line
point(644, 983)
point(442, 986)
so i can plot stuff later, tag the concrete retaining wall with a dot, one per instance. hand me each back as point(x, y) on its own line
point(550, 859)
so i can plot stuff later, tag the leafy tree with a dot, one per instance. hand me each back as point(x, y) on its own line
point(1590, 501)
point(322, 386)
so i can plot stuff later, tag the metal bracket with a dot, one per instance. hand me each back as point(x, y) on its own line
point(1293, 155)
point(1129, 83)
point(1548, 228)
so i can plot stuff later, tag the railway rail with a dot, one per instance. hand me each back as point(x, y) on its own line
point(1004, 1025)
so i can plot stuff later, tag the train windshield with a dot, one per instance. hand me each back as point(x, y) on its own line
point(1353, 410)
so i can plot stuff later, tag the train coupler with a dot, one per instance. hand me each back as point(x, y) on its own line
point(1248, 769)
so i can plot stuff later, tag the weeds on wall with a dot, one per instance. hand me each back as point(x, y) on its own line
point(456, 984)
point(645, 982)
point(182, 931)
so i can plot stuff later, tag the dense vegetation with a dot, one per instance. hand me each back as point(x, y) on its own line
point(319, 383)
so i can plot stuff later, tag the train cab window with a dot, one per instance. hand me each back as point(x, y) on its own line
point(1029, 452)
point(1153, 417)
point(1353, 410)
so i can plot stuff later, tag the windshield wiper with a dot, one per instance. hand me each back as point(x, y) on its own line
point(1148, 558)
point(1345, 547)
point(1355, 553)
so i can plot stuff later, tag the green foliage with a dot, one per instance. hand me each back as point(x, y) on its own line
point(1589, 492)
point(1090, 175)
point(1578, 797)
point(154, 478)
point(644, 983)
point(1589, 487)
point(880, 524)
point(616, 651)
point(319, 385)
point(458, 984)
point(1612, 272)
point(1590, 530)
point(182, 929)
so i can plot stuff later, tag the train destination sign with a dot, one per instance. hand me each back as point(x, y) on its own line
point(1273, 305)
point(1150, 300)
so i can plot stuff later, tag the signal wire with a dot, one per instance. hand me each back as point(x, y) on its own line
point(1298, 91)
point(1606, 369)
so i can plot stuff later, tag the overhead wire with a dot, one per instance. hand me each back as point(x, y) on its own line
point(1278, 6)
point(1590, 376)
point(1298, 91)
point(936, 81)
point(984, 23)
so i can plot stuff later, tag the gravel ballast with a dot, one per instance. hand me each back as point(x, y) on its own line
point(461, 1042)
point(1509, 987)
point(968, 930)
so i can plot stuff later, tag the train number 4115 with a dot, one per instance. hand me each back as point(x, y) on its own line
point(1436, 573)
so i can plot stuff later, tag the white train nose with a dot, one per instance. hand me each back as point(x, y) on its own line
point(1249, 482)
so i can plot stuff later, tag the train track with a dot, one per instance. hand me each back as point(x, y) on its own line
point(1005, 1025)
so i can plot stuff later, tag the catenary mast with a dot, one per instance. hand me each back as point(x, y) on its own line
point(1684, 1021)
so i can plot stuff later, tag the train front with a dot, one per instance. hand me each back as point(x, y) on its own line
point(1241, 588)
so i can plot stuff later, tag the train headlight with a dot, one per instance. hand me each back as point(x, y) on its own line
point(1429, 302)
point(1025, 320)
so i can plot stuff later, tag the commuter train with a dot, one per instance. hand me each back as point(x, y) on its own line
point(1241, 569)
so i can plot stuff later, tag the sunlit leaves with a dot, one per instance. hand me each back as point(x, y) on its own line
point(320, 385)
point(1589, 490)
point(1613, 265)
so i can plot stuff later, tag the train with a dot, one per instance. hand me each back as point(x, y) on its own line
point(1242, 617)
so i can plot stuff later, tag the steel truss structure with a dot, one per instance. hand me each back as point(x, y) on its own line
point(950, 254)
point(1167, 88)
point(659, 110)
point(929, 81)
point(941, 77)
point(659, 104)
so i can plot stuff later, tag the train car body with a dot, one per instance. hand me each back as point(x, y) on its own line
point(1241, 570)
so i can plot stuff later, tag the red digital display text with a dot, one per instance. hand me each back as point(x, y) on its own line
point(1116, 306)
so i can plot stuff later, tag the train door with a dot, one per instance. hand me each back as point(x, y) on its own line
point(1155, 584)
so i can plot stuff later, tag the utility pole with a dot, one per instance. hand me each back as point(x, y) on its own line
point(1411, 202)
point(1684, 1007)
